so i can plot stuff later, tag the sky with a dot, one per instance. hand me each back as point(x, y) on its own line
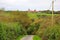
point(29, 4)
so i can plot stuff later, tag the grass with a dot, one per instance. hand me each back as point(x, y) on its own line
point(32, 15)
point(35, 15)
point(36, 37)
point(19, 38)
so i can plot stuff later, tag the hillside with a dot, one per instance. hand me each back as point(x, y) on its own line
point(16, 23)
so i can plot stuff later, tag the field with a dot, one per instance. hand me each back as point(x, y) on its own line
point(13, 24)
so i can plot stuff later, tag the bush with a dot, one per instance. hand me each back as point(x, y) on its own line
point(11, 31)
point(52, 33)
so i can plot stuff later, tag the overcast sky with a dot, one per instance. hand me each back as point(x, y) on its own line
point(29, 4)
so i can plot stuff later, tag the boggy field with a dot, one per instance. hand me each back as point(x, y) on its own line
point(16, 23)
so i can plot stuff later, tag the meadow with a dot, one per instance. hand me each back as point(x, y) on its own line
point(13, 24)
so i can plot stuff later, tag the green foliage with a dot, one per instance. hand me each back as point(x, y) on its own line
point(2, 32)
point(11, 31)
point(52, 33)
point(32, 29)
point(36, 37)
point(16, 23)
point(19, 38)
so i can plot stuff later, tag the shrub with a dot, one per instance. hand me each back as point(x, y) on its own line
point(52, 33)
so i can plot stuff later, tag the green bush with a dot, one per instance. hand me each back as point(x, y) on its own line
point(10, 31)
point(52, 33)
